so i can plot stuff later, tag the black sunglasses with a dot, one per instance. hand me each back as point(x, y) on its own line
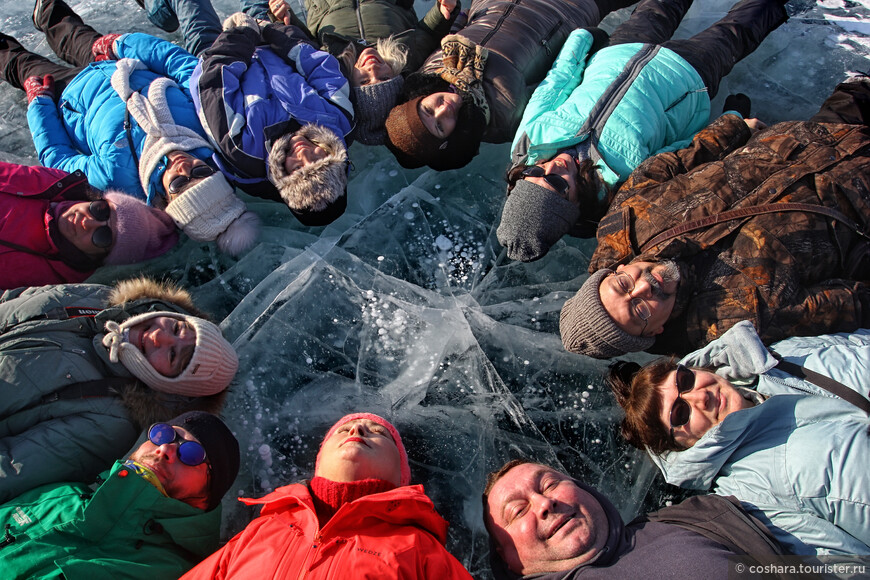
point(680, 412)
point(556, 181)
point(101, 212)
point(178, 184)
point(189, 452)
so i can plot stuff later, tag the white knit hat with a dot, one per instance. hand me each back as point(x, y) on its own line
point(210, 370)
point(209, 209)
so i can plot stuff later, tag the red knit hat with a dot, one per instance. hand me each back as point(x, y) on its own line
point(397, 439)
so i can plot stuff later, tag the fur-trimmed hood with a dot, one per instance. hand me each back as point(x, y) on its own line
point(314, 188)
point(128, 291)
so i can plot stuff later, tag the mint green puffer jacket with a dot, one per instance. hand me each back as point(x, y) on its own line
point(659, 103)
point(124, 529)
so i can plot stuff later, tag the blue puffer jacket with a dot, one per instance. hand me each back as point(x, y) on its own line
point(250, 90)
point(84, 130)
point(797, 461)
point(659, 102)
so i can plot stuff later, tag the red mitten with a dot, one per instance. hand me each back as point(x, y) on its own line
point(103, 47)
point(39, 87)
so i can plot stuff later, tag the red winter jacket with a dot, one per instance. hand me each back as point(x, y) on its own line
point(25, 197)
point(395, 534)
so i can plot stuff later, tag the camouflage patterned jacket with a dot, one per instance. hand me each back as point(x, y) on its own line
point(789, 273)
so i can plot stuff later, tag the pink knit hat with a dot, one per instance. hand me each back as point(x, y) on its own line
point(141, 232)
point(397, 439)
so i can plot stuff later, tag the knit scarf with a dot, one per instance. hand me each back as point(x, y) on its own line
point(462, 66)
point(330, 495)
point(153, 116)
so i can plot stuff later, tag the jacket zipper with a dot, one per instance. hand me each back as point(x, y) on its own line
point(545, 42)
point(362, 32)
point(8, 538)
point(500, 21)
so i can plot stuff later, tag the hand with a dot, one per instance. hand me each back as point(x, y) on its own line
point(755, 125)
point(446, 7)
point(103, 48)
point(280, 10)
point(39, 87)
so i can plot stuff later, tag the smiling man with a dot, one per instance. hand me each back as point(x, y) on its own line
point(545, 524)
point(701, 238)
point(152, 516)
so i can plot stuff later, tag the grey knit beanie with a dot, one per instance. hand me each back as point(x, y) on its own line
point(533, 219)
point(587, 328)
point(210, 370)
point(372, 104)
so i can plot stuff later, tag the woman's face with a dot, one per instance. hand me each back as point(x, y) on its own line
point(439, 113)
point(360, 449)
point(183, 171)
point(709, 397)
point(79, 226)
point(370, 69)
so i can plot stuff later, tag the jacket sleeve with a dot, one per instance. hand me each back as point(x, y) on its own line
point(50, 449)
point(713, 143)
point(159, 56)
point(564, 76)
point(831, 306)
point(442, 565)
point(55, 148)
point(218, 86)
point(426, 38)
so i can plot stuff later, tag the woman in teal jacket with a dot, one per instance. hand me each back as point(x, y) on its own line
point(600, 113)
point(791, 451)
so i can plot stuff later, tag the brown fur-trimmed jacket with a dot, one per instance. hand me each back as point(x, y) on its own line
point(789, 273)
point(50, 338)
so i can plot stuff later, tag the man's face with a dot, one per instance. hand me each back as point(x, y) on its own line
point(182, 482)
point(167, 343)
point(78, 225)
point(543, 522)
point(360, 449)
point(654, 290)
point(564, 166)
point(370, 69)
point(302, 152)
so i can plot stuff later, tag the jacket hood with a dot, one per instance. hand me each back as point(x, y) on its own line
point(407, 505)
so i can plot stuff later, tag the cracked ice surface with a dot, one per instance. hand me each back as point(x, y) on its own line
point(406, 305)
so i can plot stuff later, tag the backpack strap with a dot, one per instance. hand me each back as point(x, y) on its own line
point(835, 387)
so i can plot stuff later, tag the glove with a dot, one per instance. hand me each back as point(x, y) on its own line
point(103, 47)
point(39, 87)
point(241, 20)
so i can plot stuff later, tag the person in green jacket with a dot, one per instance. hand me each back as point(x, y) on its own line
point(376, 41)
point(152, 516)
point(85, 367)
point(600, 113)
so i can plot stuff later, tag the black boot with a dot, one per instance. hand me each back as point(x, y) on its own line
point(740, 103)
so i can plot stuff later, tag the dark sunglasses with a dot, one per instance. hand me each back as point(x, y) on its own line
point(189, 452)
point(100, 211)
point(555, 181)
point(178, 184)
point(680, 412)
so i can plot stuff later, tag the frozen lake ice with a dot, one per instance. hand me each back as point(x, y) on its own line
point(407, 306)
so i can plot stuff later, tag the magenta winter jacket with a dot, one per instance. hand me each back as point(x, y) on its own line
point(26, 194)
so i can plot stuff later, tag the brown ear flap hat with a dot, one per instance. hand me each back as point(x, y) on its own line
point(408, 138)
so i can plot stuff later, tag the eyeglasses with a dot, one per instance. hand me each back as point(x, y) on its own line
point(639, 305)
point(178, 184)
point(557, 182)
point(189, 452)
point(101, 212)
point(680, 411)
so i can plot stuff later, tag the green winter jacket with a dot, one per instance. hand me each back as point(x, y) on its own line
point(630, 101)
point(50, 337)
point(124, 529)
point(335, 23)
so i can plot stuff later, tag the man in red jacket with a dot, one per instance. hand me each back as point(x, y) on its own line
point(357, 518)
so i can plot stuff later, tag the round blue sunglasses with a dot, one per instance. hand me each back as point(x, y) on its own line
point(189, 452)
